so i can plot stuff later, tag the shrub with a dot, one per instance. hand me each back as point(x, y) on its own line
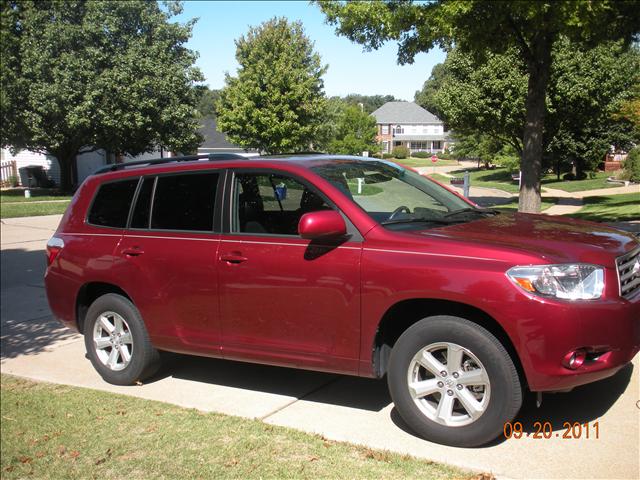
point(387, 155)
point(421, 155)
point(510, 162)
point(632, 165)
point(400, 152)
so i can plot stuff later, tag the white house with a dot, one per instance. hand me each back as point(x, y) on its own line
point(407, 124)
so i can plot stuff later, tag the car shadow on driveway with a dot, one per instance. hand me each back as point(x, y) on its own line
point(583, 404)
point(342, 390)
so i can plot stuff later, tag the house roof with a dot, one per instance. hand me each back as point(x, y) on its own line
point(404, 112)
point(214, 140)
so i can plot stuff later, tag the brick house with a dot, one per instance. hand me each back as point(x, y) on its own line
point(407, 124)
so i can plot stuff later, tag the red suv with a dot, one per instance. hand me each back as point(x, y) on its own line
point(349, 265)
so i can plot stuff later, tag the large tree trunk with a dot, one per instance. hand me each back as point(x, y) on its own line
point(65, 161)
point(539, 69)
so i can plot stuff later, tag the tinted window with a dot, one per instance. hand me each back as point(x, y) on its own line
point(140, 218)
point(184, 202)
point(111, 206)
point(272, 204)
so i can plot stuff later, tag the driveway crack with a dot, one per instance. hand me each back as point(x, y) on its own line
point(302, 397)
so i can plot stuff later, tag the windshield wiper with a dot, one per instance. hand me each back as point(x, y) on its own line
point(416, 220)
point(472, 210)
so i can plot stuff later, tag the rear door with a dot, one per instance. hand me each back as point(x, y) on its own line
point(283, 299)
point(168, 258)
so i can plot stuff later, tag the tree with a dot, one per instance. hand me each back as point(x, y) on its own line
point(480, 26)
point(207, 100)
point(81, 75)
point(585, 88)
point(276, 103)
point(368, 103)
point(353, 132)
point(425, 97)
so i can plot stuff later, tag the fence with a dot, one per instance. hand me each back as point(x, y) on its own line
point(9, 173)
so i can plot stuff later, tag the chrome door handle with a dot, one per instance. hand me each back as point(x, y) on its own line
point(132, 251)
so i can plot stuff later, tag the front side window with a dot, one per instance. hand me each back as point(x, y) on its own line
point(385, 129)
point(182, 202)
point(110, 208)
point(394, 196)
point(271, 204)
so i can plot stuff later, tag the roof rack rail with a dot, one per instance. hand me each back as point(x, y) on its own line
point(157, 161)
point(292, 154)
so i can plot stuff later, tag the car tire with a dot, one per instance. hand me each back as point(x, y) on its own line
point(117, 341)
point(467, 403)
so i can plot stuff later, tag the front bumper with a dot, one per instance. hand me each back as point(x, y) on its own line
point(547, 330)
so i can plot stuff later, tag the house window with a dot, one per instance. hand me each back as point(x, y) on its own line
point(437, 145)
point(385, 146)
point(385, 130)
point(398, 130)
point(397, 144)
point(419, 146)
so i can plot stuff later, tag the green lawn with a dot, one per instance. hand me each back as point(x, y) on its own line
point(55, 431)
point(423, 162)
point(610, 208)
point(599, 181)
point(547, 202)
point(28, 209)
point(440, 178)
point(498, 178)
point(367, 189)
point(37, 195)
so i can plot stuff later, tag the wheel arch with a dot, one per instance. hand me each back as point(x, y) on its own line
point(88, 293)
point(400, 316)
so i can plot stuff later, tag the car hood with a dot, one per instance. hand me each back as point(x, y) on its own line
point(553, 239)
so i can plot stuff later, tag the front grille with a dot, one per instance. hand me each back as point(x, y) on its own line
point(629, 272)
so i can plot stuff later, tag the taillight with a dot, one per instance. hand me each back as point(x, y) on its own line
point(54, 247)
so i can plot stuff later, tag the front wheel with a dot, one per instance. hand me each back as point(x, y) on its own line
point(117, 341)
point(453, 382)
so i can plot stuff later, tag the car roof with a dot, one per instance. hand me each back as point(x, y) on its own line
point(204, 162)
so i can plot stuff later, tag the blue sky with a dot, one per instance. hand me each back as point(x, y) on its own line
point(351, 70)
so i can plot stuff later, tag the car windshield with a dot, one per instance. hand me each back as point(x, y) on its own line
point(396, 197)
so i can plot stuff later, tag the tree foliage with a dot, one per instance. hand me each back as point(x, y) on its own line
point(207, 99)
point(276, 103)
point(348, 129)
point(479, 27)
point(425, 96)
point(81, 75)
point(586, 88)
point(370, 103)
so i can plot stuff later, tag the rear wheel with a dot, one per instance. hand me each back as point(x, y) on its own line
point(453, 382)
point(117, 341)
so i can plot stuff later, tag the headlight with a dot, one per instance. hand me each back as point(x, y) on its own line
point(570, 281)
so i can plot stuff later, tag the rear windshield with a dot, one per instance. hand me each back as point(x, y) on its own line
point(110, 208)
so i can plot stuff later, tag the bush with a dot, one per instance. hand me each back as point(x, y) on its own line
point(421, 155)
point(387, 155)
point(400, 152)
point(510, 162)
point(632, 165)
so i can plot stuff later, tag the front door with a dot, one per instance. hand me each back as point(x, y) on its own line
point(286, 300)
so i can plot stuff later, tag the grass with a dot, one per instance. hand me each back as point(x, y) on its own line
point(37, 195)
point(367, 189)
point(599, 181)
point(55, 431)
point(498, 178)
point(610, 208)
point(547, 202)
point(440, 178)
point(423, 162)
point(28, 209)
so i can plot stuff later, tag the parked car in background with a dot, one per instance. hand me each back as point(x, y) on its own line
point(349, 265)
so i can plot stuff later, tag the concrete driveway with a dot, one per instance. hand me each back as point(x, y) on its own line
point(340, 408)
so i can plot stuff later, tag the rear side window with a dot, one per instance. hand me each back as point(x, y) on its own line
point(184, 202)
point(111, 205)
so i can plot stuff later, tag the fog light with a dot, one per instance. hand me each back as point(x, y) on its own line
point(574, 359)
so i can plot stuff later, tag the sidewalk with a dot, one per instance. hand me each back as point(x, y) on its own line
point(345, 408)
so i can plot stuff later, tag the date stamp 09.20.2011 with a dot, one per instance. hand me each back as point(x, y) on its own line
point(545, 431)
